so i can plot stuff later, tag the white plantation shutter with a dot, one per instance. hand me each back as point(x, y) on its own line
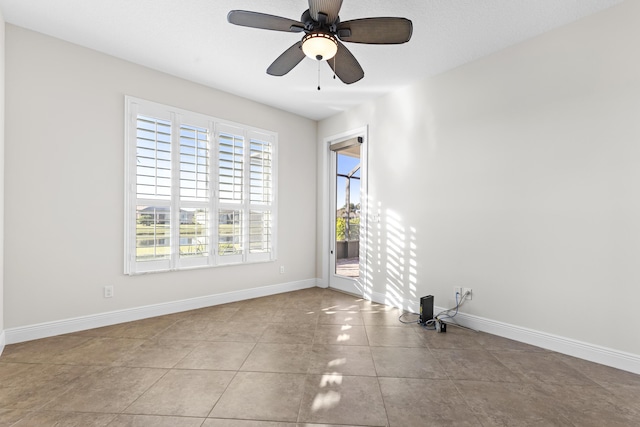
point(200, 192)
point(151, 237)
point(261, 197)
point(231, 194)
point(194, 234)
point(261, 172)
point(260, 232)
point(230, 234)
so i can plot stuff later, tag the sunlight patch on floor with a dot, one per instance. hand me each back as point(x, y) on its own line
point(325, 400)
point(343, 337)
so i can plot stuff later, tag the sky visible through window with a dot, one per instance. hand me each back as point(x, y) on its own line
point(345, 164)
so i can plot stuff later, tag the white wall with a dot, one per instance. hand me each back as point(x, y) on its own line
point(2, 49)
point(64, 187)
point(518, 176)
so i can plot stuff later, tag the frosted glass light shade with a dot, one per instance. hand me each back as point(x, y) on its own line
point(320, 46)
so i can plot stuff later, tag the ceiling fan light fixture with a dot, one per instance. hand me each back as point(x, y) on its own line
point(319, 45)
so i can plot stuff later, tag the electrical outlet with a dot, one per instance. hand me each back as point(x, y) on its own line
point(470, 293)
point(282, 269)
point(108, 291)
point(457, 293)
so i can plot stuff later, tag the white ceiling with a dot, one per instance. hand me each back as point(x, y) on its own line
point(192, 39)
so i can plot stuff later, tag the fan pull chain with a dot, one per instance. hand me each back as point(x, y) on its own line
point(318, 75)
point(334, 67)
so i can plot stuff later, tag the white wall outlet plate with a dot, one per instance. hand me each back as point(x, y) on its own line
point(108, 291)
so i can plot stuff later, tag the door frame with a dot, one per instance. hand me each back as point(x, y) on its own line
point(359, 286)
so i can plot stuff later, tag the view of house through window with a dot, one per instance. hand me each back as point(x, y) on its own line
point(348, 207)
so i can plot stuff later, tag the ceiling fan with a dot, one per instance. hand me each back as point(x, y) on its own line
point(323, 34)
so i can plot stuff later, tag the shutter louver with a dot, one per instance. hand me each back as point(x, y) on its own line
point(261, 172)
point(260, 232)
point(230, 232)
point(153, 233)
point(230, 168)
point(153, 155)
point(194, 163)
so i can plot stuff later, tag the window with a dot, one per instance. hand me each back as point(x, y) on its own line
point(199, 191)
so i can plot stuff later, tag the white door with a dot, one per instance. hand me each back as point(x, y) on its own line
point(347, 207)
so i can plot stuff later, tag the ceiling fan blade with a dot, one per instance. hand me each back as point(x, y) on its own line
point(376, 30)
point(287, 61)
point(331, 8)
point(346, 66)
point(266, 22)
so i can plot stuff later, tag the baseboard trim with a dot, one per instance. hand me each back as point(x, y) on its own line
point(321, 283)
point(594, 353)
point(65, 326)
point(2, 342)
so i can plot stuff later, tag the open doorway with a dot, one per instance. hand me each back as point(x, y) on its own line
point(347, 214)
point(347, 198)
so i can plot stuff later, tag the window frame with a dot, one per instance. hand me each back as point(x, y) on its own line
point(135, 107)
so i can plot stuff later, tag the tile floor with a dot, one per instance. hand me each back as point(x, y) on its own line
point(309, 358)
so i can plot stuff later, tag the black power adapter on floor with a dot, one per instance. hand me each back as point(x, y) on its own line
point(426, 314)
point(426, 309)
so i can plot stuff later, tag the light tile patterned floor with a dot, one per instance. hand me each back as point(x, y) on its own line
point(309, 358)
